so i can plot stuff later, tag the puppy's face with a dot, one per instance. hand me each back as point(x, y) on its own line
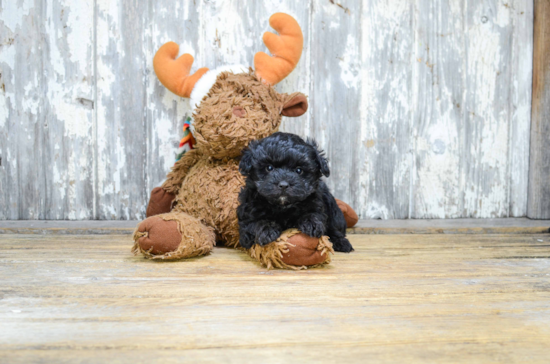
point(283, 168)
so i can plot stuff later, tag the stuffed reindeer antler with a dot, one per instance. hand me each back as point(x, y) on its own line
point(286, 49)
point(174, 73)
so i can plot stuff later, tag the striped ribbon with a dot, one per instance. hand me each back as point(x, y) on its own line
point(187, 142)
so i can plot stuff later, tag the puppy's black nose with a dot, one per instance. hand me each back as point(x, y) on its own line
point(283, 185)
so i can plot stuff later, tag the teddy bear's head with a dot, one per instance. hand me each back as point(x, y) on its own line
point(240, 108)
point(234, 105)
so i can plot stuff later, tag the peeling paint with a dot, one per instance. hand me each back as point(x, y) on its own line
point(13, 13)
point(80, 25)
point(446, 136)
point(4, 111)
point(349, 64)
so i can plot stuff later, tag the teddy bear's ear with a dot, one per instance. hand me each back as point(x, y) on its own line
point(245, 165)
point(295, 105)
point(321, 158)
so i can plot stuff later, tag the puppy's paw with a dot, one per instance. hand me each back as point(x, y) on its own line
point(267, 233)
point(342, 245)
point(246, 240)
point(312, 226)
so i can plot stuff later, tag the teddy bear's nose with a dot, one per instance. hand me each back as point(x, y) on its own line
point(239, 112)
point(283, 185)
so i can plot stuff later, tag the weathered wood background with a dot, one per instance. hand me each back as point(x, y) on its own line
point(422, 106)
point(538, 205)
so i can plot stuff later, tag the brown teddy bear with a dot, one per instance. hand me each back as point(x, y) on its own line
point(196, 206)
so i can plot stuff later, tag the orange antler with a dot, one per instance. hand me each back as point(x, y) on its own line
point(174, 73)
point(286, 49)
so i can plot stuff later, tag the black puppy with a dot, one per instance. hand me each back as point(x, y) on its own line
point(284, 190)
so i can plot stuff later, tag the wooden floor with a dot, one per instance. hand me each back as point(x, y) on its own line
point(398, 298)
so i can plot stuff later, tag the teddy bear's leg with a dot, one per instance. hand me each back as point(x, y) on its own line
point(174, 235)
point(349, 214)
point(293, 250)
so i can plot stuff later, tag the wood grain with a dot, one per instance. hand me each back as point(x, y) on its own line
point(471, 125)
point(520, 106)
point(386, 110)
point(423, 107)
point(335, 64)
point(397, 298)
point(21, 102)
point(67, 117)
point(539, 171)
point(121, 130)
point(46, 110)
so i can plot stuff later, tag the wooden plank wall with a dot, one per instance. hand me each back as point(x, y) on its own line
point(423, 107)
point(539, 172)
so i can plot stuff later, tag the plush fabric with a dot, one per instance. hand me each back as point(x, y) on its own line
point(179, 171)
point(167, 231)
point(174, 73)
point(349, 214)
point(173, 236)
point(160, 202)
point(285, 47)
point(295, 106)
point(294, 250)
point(208, 79)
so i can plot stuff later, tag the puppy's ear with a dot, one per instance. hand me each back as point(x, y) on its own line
point(245, 165)
point(321, 158)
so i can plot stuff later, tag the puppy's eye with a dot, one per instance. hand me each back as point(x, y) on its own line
point(299, 170)
point(269, 168)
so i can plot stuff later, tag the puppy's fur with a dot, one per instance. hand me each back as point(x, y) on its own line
point(284, 190)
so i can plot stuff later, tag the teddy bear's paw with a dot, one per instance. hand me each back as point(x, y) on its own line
point(174, 235)
point(156, 236)
point(293, 250)
point(304, 250)
point(160, 202)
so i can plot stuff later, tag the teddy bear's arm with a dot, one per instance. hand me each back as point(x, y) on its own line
point(175, 178)
point(162, 197)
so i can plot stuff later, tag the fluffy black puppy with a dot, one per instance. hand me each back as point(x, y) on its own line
point(284, 190)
